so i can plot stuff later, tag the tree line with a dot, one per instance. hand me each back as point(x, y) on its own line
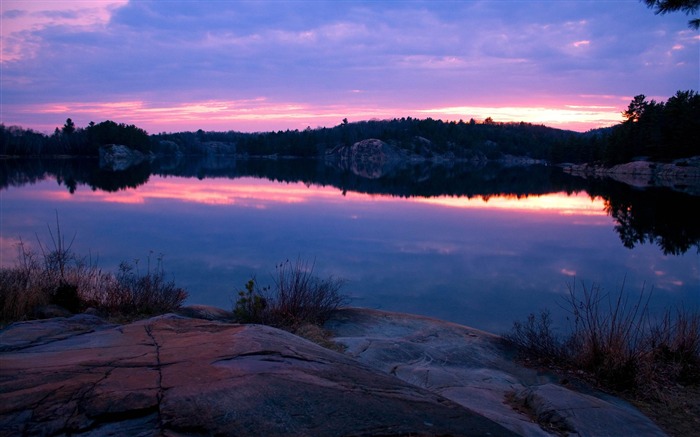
point(72, 140)
point(660, 131)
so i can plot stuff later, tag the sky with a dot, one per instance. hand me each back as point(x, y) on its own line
point(181, 65)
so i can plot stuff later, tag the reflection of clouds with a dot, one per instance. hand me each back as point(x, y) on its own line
point(559, 203)
point(667, 281)
point(671, 284)
point(474, 262)
point(9, 247)
point(260, 193)
point(428, 247)
point(244, 192)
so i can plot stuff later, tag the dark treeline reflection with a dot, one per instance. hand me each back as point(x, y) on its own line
point(661, 216)
point(655, 215)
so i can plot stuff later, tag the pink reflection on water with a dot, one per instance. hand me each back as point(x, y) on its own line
point(261, 193)
point(246, 192)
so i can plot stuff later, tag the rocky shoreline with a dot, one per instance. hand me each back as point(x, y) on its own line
point(681, 175)
point(195, 373)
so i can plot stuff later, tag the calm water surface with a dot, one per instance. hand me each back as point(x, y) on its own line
point(475, 261)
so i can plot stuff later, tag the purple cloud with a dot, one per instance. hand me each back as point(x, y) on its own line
point(393, 58)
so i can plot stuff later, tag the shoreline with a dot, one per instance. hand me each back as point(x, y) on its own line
point(681, 175)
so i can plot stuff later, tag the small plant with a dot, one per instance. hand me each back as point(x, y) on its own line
point(297, 298)
point(250, 306)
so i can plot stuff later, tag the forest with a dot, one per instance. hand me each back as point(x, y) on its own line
point(656, 131)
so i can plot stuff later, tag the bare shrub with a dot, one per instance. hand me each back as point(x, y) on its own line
point(674, 346)
point(58, 259)
point(613, 339)
point(608, 333)
point(147, 293)
point(297, 298)
point(536, 338)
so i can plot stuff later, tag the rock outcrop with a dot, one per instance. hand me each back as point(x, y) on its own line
point(116, 157)
point(200, 375)
point(369, 158)
point(681, 175)
point(172, 375)
point(476, 370)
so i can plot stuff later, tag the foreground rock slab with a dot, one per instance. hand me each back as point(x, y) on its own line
point(476, 370)
point(175, 376)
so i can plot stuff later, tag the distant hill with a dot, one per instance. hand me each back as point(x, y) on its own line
point(656, 131)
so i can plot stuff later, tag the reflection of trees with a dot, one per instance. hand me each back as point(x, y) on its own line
point(662, 217)
point(112, 181)
point(71, 173)
point(658, 216)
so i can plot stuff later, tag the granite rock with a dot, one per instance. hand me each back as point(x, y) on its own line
point(174, 375)
point(477, 370)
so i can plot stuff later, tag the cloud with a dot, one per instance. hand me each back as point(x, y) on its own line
point(576, 117)
point(23, 23)
point(407, 55)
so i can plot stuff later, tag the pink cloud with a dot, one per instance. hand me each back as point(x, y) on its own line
point(260, 114)
point(21, 17)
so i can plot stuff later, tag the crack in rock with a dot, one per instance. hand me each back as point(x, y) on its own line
point(159, 381)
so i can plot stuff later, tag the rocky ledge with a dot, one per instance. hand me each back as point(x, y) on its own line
point(681, 175)
point(116, 157)
point(184, 375)
point(369, 158)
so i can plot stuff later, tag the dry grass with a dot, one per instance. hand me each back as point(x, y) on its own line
point(614, 344)
point(608, 334)
point(615, 341)
point(57, 276)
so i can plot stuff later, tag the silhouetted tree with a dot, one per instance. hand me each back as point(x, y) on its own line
point(109, 132)
point(636, 108)
point(69, 127)
point(690, 7)
point(660, 131)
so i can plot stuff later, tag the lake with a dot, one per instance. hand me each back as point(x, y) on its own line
point(481, 246)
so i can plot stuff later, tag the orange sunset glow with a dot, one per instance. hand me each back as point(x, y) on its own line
point(257, 193)
point(558, 203)
point(262, 114)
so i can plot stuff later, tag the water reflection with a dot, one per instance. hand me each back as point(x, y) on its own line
point(654, 216)
point(482, 259)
